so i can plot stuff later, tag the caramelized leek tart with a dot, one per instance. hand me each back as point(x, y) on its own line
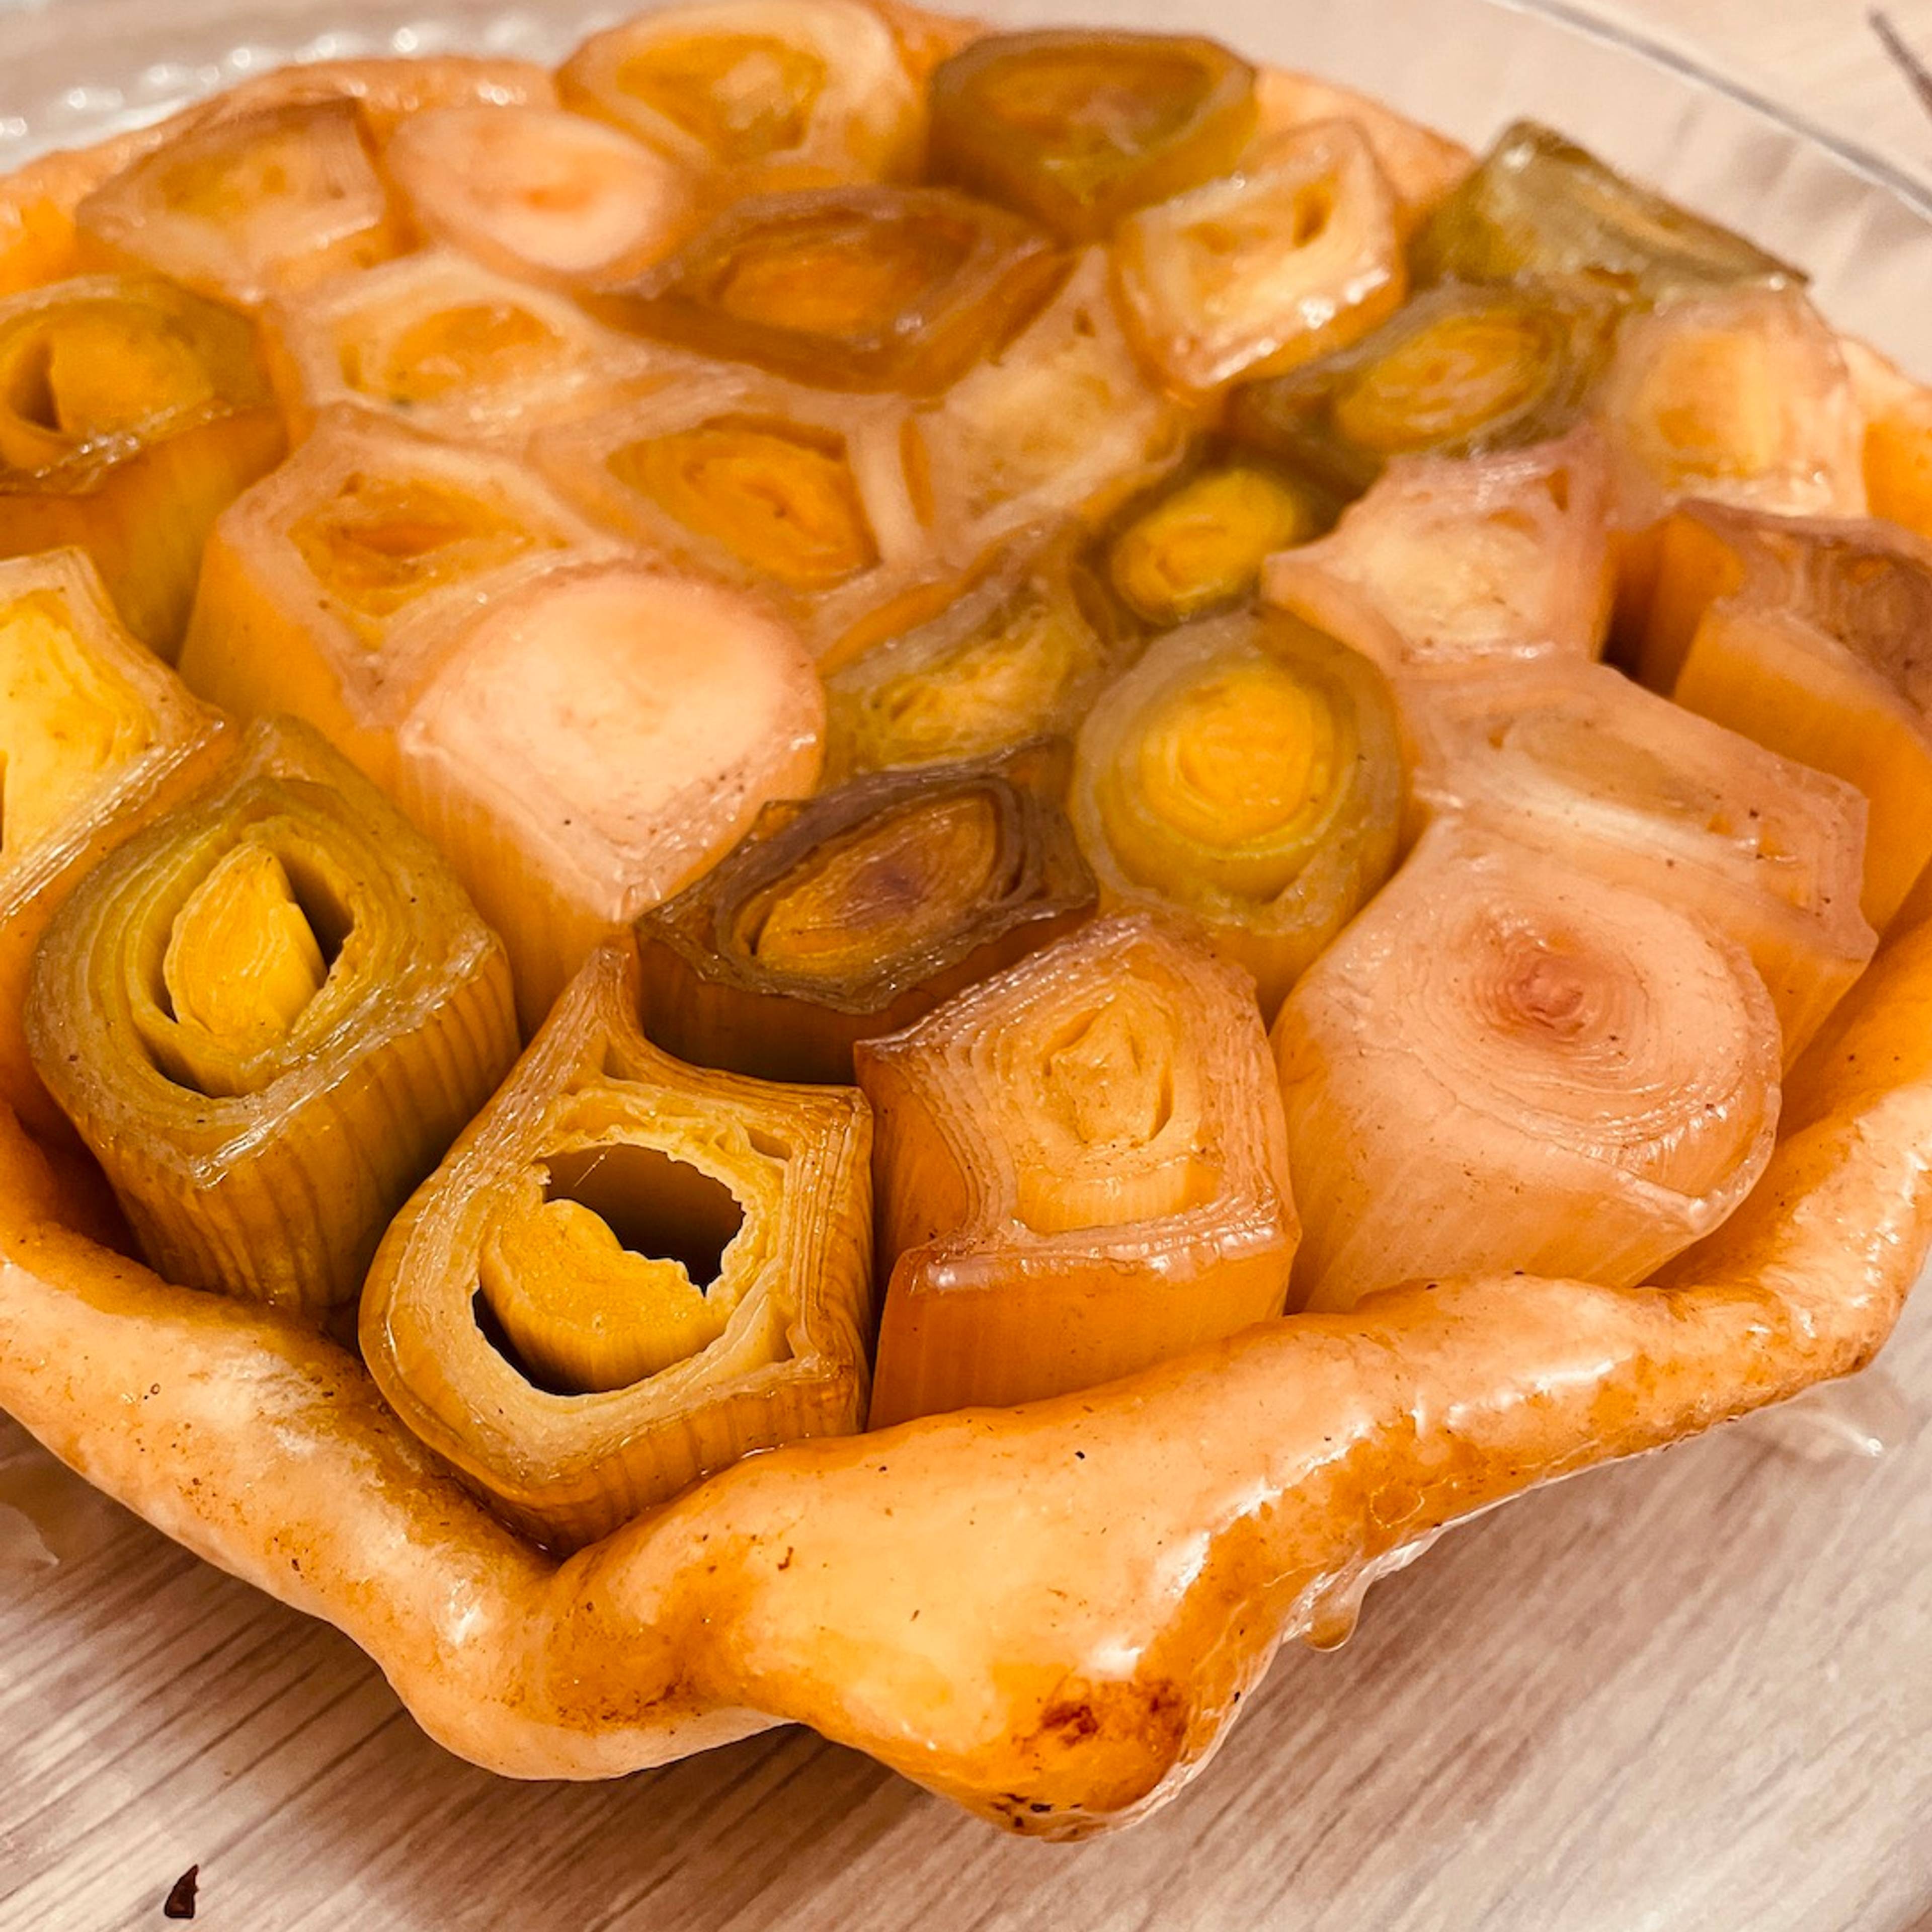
point(986, 650)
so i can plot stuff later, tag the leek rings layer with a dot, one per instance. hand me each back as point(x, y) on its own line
point(1078, 129)
point(268, 1015)
point(596, 739)
point(628, 1273)
point(1460, 371)
point(854, 913)
point(1081, 1170)
point(1247, 774)
point(131, 413)
point(1448, 566)
point(1505, 1063)
point(1292, 259)
point(1809, 637)
point(756, 94)
point(1539, 205)
point(96, 736)
point(251, 206)
point(1577, 762)
point(329, 590)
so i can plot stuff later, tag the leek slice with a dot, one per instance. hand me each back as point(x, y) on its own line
point(1539, 205)
point(1575, 761)
point(96, 736)
point(1247, 774)
point(252, 206)
point(1504, 1063)
point(596, 740)
point(1078, 129)
point(1082, 1169)
point(130, 414)
point(855, 912)
point(1458, 371)
point(1292, 259)
point(760, 94)
point(1897, 413)
point(329, 590)
point(268, 1014)
point(628, 1273)
point(1809, 637)
point(1449, 566)
point(443, 345)
point(1018, 655)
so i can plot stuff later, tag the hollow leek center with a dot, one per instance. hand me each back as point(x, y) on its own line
point(744, 96)
point(474, 345)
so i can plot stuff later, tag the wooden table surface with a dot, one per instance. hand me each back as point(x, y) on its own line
point(1689, 1695)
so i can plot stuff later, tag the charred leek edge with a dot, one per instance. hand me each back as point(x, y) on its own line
point(329, 590)
point(1449, 566)
point(131, 413)
point(1810, 637)
point(1579, 764)
point(1078, 129)
point(763, 94)
point(867, 287)
point(444, 346)
point(1247, 774)
point(795, 494)
point(537, 193)
point(1018, 655)
point(258, 1140)
point(1458, 371)
point(96, 736)
point(1539, 205)
point(1741, 398)
point(1294, 258)
point(1061, 424)
point(1505, 1063)
point(671, 1159)
point(1082, 1169)
point(250, 206)
point(854, 913)
point(595, 741)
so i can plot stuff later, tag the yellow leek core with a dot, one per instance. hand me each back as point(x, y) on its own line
point(472, 345)
point(779, 498)
point(242, 963)
point(814, 280)
point(915, 877)
point(64, 728)
point(1470, 367)
point(744, 96)
point(1242, 770)
point(1205, 543)
point(590, 1308)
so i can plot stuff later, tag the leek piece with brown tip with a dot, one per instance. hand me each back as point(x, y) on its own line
point(1579, 764)
point(131, 413)
point(1246, 774)
point(1505, 1063)
point(268, 1015)
point(1081, 1170)
point(855, 912)
point(628, 1274)
point(97, 737)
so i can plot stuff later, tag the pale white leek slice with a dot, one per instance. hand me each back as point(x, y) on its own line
point(764, 94)
point(1446, 565)
point(1578, 762)
point(1506, 1064)
point(538, 193)
point(1293, 257)
point(595, 741)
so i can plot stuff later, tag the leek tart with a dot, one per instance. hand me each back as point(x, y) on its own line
point(97, 737)
point(1506, 1062)
point(268, 1015)
point(1579, 762)
point(627, 1272)
point(131, 414)
point(855, 912)
point(1246, 775)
